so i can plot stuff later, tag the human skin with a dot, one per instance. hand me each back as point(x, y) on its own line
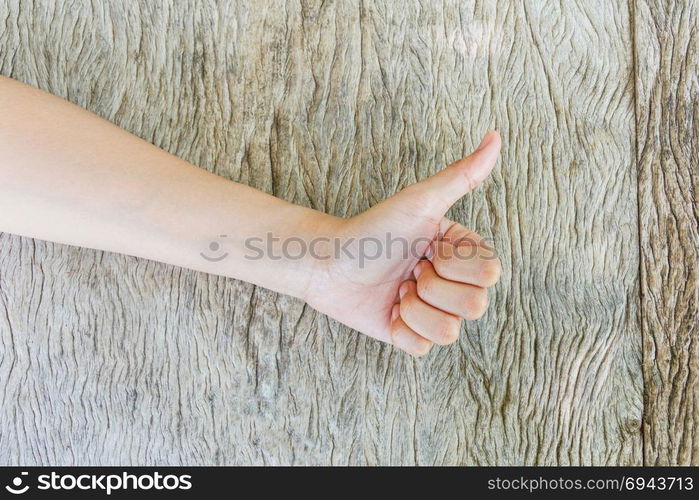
point(68, 176)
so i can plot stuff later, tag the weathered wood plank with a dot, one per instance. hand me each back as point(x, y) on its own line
point(106, 359)
point(667, 114)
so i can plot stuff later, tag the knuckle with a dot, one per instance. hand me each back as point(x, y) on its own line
point(425, 286)
point(440, 265)
point(476, 306)
point(469, 179)
point(465, 251)
point(422, 349)
point(448, 330)
point(410, 343)
point(407, 304)
point(491, 271)
point(394, 331)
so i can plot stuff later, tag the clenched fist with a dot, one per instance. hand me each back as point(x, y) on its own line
point(419, 297)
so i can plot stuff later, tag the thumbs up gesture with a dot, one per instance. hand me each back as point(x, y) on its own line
point(400, 272)
point(408, 275)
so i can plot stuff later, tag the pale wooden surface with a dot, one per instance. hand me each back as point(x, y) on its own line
point(107, 359)
point(667, 105)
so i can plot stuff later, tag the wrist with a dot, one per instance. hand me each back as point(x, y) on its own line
point(318, 233)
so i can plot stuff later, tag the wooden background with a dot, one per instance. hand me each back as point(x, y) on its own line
point(589, 352)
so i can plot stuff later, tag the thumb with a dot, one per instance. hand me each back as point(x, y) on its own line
point(464, 175)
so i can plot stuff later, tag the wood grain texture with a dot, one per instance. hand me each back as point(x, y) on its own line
point(667, 111)
point(107, 359)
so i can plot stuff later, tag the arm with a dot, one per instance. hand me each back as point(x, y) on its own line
point(71, 177)
point(68, 176)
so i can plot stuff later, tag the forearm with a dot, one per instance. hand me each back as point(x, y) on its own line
point(71, 177)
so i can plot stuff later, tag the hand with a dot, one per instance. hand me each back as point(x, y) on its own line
point(418, 297)
point(82, 181)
